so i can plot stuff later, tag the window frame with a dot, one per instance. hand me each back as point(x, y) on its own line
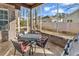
point(2, 27)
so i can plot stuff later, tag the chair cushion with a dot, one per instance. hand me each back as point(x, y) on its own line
point(24, 46)
point(42, 42)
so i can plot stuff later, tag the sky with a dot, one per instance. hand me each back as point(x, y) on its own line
point(50, 9)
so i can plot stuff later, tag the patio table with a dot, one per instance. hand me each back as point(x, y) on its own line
point(32, 38)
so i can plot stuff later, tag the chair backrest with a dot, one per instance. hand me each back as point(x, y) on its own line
point(45, 41)
point(68, 47)
point(17, 46)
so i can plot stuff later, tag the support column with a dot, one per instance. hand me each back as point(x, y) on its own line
point(40, 19)
point(18, 19)
point(29, 21)
point(36, 19)
point(33, 21)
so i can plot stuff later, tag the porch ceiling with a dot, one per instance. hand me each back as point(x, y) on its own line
point(27, 5)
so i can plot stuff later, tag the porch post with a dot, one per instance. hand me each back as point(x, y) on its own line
point(19, 21)
point(36, 19)
point(29, 22)
point(40, 19)
point(17, 13)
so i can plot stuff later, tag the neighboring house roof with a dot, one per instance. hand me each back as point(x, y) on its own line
point(73, 13)
point(77, 11)
point(45, 17)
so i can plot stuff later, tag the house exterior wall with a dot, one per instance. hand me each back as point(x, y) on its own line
point(12, 31)
point(0, 36)
point(12, 22)
point(73, 16)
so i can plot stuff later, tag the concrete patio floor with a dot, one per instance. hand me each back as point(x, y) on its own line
point(6, 49)
point(51, 50)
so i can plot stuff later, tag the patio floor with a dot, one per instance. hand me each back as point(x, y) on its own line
point(51, 50)
point(4, 47)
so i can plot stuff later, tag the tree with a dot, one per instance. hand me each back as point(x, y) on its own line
point(22, 22)
point(60, 15)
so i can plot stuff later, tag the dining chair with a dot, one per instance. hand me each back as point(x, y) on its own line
point(35, 32)
point(21, 47)
point(42, 43)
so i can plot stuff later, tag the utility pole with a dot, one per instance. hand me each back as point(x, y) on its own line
point(57, 17)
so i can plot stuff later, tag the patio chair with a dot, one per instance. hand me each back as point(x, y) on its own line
point(21, 47)
point(42, 43)
point(76, 38)
point(68, 47)
point(36, 32)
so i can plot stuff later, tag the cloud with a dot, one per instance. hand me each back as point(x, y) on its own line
point(47, 8)
point(68, 3)
point(54, 11)
point(59, 10)
point(72, 9)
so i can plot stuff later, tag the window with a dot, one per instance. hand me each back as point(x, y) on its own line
point(4, 21)
point(69, 20)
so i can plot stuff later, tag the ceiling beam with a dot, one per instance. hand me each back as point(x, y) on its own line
point(25, 5)
point(18, 5)
point(36, 4)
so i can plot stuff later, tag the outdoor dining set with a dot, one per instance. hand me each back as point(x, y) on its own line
point(26, 43)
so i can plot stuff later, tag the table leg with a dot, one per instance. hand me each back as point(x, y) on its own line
point(31, 50)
